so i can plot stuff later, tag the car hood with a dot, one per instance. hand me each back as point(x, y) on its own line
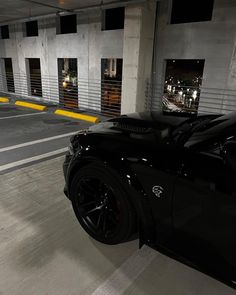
point(146, 125)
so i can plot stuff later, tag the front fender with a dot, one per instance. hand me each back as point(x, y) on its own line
point(133, 187)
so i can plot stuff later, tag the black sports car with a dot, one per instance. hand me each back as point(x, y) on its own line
point(169, 179)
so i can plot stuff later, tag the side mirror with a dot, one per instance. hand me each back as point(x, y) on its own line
point(229, 153)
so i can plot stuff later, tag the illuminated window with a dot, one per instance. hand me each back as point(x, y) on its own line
point(182, 85)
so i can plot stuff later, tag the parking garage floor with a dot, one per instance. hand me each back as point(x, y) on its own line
point(43, 250)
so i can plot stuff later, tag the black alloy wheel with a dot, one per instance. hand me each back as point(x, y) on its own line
point(101, 205)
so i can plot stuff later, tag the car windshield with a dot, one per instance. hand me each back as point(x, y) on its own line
point(186, 129)
point(218, 127)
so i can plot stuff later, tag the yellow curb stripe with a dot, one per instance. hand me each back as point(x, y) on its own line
point(4, 99)
point(87, 118)
point(30, 105)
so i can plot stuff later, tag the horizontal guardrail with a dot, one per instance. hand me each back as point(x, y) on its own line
point(93, 95)
point(189, 99)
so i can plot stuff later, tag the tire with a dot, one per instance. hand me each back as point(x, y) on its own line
point(102, 205)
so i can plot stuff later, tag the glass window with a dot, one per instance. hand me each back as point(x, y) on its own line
point(183, 80)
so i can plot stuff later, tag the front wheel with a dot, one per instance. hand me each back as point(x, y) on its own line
point(101, 204)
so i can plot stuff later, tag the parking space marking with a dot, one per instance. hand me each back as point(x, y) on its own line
point(17, 146)
point(32, 159)
point(125, 275)
point(25, 115)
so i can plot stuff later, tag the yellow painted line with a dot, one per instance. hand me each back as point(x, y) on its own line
point(74, 115)
point(30, 105)
point(4, 99)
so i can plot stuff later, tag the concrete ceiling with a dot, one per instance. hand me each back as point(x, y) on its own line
point(11, 10)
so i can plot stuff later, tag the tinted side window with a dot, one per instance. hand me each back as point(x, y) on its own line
point(216, 147)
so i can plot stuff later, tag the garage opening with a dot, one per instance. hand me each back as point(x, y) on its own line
point(9, 75)
point(68, 82)
point(31, 28)
point(111, 85)
point(35, 81)
point(183, 79)
point(67, 24)
point(185, 11)
point(5, 32)
point(113, 19)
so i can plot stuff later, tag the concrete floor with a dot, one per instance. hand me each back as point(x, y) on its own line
point(43, 249)
point(19, 126)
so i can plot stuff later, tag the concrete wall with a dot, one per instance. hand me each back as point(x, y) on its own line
point(88, 45)
point(214, 41)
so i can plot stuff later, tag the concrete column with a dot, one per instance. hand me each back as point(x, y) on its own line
point(137, 55)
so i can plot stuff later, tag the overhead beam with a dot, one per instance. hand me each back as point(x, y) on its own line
point(48, 5)
point(112, 4)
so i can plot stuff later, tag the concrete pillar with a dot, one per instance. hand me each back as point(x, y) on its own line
point(137, 55)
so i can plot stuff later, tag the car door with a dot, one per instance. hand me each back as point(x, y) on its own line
point(204, 209)
point(156, 171)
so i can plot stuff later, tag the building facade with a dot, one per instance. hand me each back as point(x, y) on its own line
point(200, 35)
point(89, 60)
point(171, 54)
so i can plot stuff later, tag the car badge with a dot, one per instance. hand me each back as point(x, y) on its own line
point(157, 190)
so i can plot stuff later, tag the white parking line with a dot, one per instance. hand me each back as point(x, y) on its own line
point(17, 146)
point(124, 276)
point(32, 159)
point(25, 115)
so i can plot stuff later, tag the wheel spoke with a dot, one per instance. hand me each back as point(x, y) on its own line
point(84, 205)
point(92, 211)
point(100, 218)
point(97, 205)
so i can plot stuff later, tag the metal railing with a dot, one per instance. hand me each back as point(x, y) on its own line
point(93, 95)
point(190, 99)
